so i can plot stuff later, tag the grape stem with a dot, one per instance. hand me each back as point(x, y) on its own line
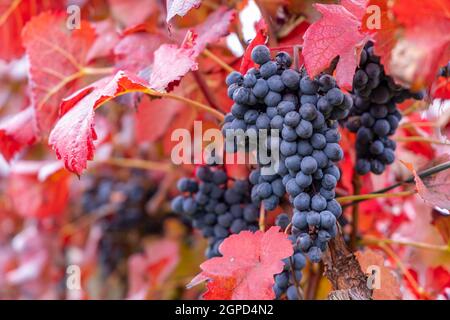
point(416, 124)
point(426, 246)
point(296, 51)
point(218, 60)
point(205, 89)
point(421, 139)
point(138, 164)
point(262, 218)
point(266, 16)
point(356, 181)
point(300, 293)
point(374, 196)
point(423, 174)
point(198, 105)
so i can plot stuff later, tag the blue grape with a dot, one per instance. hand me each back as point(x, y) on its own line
point(302, 201)
point(308, 165)
point(233, 77)
point(268, 69)
point(275, 83)
point(272, 99)
point(260, 89)
point(308, 86)
point(260, 54)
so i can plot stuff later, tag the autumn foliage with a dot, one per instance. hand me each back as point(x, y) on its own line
point(87, 113)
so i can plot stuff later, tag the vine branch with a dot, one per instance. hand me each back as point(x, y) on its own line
point(423, 174)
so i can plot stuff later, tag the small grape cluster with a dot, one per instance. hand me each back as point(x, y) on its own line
point(305, 111)
point(287, 282)
point(374, 115)
point(122, 203)
point(217, 205)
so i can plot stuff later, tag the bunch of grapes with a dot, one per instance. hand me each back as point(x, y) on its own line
point(217, 205)
point(374, 115)
point(305, 111)
point(122, 204)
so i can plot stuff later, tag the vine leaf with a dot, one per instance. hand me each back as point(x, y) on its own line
point(73, 136)
point(213, 28)
point(434, 190)
point(107, 39)
point(14, 15)
point(389, 285)
point(337, 33)
point(150, 269)
point(38, 189)
point(134, 52)
point(46, 38)
point(180, 7)
point(153, 117)
point(17, 132)
point(132, 12)
point(170, 64)
point(412, 49)
point(442, 224)
point(246, 269)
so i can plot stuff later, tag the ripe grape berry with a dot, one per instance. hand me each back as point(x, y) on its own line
point(216, 205)
point(305, 111)
point(374, 115)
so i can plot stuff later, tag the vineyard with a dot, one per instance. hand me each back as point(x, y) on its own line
point(225, 150)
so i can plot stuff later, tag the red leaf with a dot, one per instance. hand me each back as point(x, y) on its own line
point(180, 7)
point(390, 287)
point(148, 270)
point(356, 7)
point(385, 37)
point(132, 12)
point(435, 189)
point(183, 120)
point(425, 45)
point(17, 132)
point(13, 17)
point(38, 189)
point(295, 37)
point(135, 51)
point(246, 269)
point(441, 89)
point(442, 224)
point(335, 34)
point(73, 135)
point(57, 57)
point(260, 38)
point(213, 28)
point(170, 64)
point(107, 39)
point(153, 117)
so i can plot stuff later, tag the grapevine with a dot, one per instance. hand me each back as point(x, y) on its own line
point(224, 150)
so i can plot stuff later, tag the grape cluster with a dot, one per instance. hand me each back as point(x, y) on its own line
point(305, 111)
point(286, 282)
point(217, 205)
point(122, 203)
point(374, 115)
